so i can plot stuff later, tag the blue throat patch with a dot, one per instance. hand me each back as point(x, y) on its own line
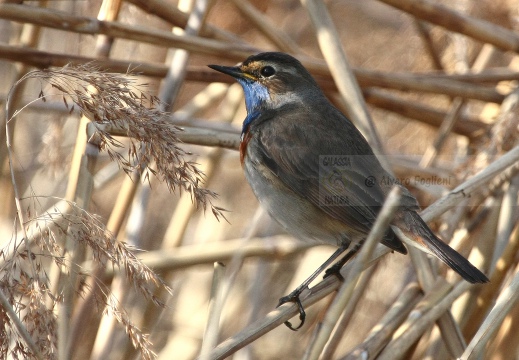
point(255, 96)
point(251, 116)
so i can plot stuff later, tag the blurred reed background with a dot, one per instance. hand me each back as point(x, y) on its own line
point(100, 160)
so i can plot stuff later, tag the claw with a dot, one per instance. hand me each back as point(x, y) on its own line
point(302, 317)
point(294, 295)
point(302, 314)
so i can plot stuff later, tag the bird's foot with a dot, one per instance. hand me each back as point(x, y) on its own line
point(334, 270)
point(294, 297)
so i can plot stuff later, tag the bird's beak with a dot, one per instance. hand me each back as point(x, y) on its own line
point(234, 71)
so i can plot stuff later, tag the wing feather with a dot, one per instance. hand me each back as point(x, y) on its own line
point(339, 175)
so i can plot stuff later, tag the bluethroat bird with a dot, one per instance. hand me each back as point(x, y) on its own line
point(315, 173)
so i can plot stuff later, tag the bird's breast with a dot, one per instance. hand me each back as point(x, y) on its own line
point(296, 214)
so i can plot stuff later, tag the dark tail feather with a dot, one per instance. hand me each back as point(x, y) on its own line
point(420, 234)
point(456, 261)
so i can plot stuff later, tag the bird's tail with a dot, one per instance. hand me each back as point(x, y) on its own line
point(413, 231)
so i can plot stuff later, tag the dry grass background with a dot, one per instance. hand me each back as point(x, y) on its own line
point(100, 163)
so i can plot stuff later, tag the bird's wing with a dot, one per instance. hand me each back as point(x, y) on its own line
point(330, 164)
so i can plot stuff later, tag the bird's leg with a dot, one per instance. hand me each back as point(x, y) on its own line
point(335, 269)
point(294, 295)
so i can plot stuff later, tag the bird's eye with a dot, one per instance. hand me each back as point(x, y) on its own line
point(267, 71)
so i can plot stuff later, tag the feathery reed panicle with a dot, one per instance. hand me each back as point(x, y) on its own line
point(29, 294)
point(115, 100)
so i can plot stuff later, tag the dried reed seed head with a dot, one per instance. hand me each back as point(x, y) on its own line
point(106, 99)
point(116, 100)
point(28, 291)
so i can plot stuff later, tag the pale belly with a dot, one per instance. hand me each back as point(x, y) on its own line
point(298, 216)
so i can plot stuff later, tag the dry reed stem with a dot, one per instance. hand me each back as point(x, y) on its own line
point(284, 312)
point(413, 81)
point(490, 75)
point(188, 135)
point(467, 126)
point(506, 222)
point(425, 33)
point(170, 13)
point(280, 247)
point(338, 65)
point(477, 29)
point(508, 297)
point(450, 85)
point(215, 309)
point(444, 131)
point(457, 107)
point(484, 240)
point(174, 78)
point(391, 205)
point(406, 82)
point(420, 321)
point(88, 25)
point(263, 23)
point(488, 293)
point(349, 311)
point(473, 184)
point(382, 332)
